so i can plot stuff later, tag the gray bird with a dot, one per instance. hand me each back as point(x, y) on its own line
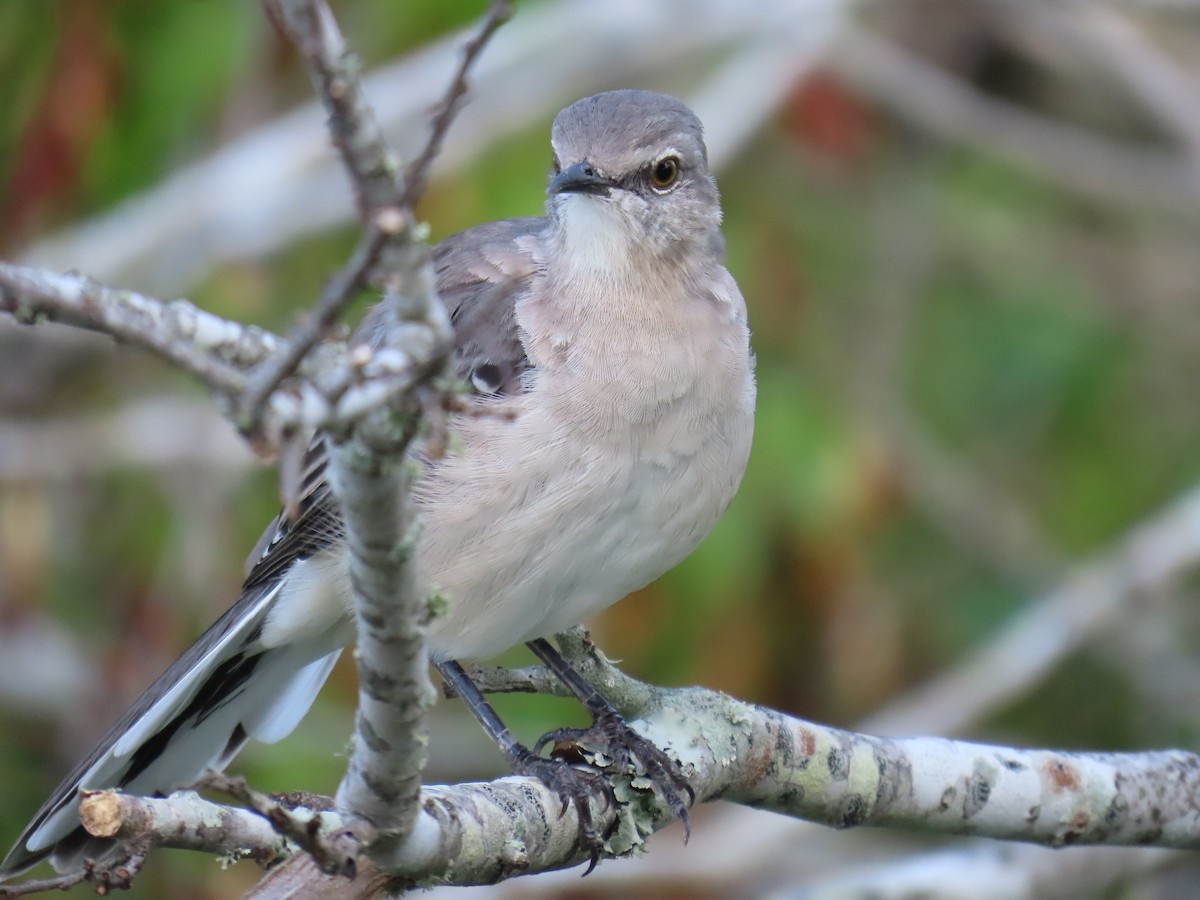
point(617, 343)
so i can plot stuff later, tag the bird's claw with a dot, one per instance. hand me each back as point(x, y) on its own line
point(573, 785)
point(610, 734)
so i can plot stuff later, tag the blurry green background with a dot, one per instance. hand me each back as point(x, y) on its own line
point(973, 375)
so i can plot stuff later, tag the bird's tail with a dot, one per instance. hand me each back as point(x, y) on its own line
point(196, 716)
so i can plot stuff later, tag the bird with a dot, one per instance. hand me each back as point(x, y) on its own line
point(617, 344)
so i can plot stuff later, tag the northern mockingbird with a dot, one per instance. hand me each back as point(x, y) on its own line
point(618, 343)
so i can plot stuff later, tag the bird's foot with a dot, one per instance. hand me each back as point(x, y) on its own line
point(630, 752)
point(573, 785)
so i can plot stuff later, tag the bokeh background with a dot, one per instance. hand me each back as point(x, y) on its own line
point(967, 233)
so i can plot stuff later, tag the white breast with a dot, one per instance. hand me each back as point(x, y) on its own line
point(621, 456)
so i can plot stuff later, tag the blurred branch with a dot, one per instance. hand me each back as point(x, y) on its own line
point(161, 432)
point(1092, 597)
point(1112, 41)
point(1072, 157)
point(988, 872)
point(279, 182)
point(972, 510)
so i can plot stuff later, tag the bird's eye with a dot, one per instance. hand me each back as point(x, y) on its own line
point(664, 173)
point(555, 165)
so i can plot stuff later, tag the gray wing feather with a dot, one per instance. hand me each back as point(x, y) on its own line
point(480, 274)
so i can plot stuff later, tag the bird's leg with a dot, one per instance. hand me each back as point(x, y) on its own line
point(570, 783)
point(610, 731)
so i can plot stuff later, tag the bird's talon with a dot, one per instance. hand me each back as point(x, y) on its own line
point(572, 785)
point(629, 752)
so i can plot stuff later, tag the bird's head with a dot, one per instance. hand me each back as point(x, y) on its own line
point(630, 172)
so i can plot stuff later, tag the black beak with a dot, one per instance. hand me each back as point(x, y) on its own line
point(580, 178)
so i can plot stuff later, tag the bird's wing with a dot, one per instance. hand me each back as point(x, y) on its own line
point(229, 686)
point(480, 273)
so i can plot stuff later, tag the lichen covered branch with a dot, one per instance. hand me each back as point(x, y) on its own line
point(482, 833)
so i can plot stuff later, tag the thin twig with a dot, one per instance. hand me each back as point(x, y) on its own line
point(38, 885)
point(332, 845)
point(337, 295)
point(498, 13)
point(117, 875)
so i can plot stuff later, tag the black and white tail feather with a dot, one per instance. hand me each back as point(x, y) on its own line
point(257, 670)
point(227, 688)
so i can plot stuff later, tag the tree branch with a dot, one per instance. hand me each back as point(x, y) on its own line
point(374, 171)
point(383, 775)
point(482, 833)
point(192, 822)
point(337, 389)
point(213, 348)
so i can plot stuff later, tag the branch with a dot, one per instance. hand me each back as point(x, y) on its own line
point(499, 12)
point(334, 73)
point(1067, 155)
point(383, 775)
point(192, 823)
point(1090, 598)
point(206, 345)
point(337, 391)
point(501, 680)
point(1118, 42)
point(482, 833)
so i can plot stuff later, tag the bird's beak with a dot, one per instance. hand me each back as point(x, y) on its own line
point(580, 178)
